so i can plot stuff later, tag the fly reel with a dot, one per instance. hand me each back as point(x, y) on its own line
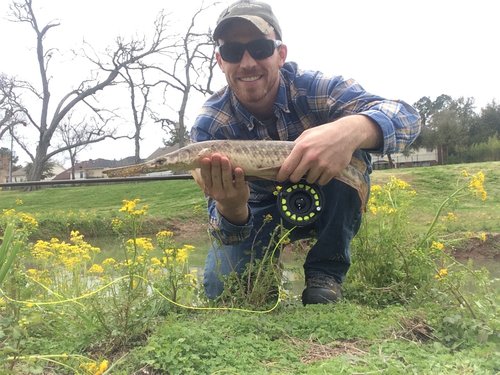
point(300, 203)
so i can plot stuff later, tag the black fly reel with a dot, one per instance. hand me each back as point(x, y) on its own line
point(299, 203)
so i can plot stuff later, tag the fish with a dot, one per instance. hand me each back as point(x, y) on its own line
point(259, 159)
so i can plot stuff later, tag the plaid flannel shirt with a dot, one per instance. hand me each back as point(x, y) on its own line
point(305, 99)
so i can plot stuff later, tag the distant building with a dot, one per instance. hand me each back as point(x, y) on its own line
point(421, 157)
point(93, 168)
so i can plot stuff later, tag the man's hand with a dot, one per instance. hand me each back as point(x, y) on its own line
point(227, 187)
point(322, 152)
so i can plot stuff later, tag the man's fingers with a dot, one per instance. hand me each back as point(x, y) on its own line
point(206, 174)
point(239, 178)
point(227, 173)
point(289, 165)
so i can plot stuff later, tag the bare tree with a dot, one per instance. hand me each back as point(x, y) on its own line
point(10, 113)
point(192, 69)
point(78, 133)
point(139, 91)
point(125, 54)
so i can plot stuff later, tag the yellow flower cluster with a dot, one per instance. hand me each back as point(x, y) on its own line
point(139, 243)
point(39, 276)
point(476, 185)
point(442, 273)
point(130, 208)
point(62, 253)
point(397, 184)
point(450, 216)
point(437, 245)
point(24, 220)
point(96, 268)
point(95, 368)
point(386, 199)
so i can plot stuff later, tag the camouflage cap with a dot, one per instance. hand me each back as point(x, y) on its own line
point(258, 13)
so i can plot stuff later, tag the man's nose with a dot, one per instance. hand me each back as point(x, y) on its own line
point(247, 60)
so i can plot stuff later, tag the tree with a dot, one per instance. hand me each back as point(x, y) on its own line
point(10, 113)
point(192, 69)
point(126, 53)
point(487, 125)
point(75, 136)
point(139, 102)
point(47, 171)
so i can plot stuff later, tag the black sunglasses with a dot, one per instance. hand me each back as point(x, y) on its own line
point(259, 49)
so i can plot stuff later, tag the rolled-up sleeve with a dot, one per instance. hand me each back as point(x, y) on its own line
point(224, 231)
point(399, 122)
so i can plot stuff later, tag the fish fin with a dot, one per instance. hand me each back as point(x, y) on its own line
point(269, 173)
point(196, 173)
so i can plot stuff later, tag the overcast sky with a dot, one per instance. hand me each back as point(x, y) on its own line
point(396, 49)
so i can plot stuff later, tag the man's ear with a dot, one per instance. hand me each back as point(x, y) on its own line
point(219, 61)
point(282, 51)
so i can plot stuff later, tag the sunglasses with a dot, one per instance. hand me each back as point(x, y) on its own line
point(259, 49)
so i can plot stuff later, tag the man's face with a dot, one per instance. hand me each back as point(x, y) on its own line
point(254, 82)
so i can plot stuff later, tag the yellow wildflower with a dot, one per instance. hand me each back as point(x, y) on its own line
point(108, 262)
point(96, 268)
point(130, 207)
point(164, 234)
point(144, 243)
point(476, 185)
point(19, 202)
point(482, 236)
point(375, 189)
point(94, 368)
point(155, 261)
point(450, 216)
point(103, 366)
point(437, 245)
point(442, 273)
point(181, 255)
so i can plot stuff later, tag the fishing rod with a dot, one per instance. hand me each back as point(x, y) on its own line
point(92, 181)
point(298, 203)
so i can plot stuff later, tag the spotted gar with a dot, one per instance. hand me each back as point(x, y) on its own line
point(258, 159)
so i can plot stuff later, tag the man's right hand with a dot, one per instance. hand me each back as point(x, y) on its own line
point(227, 186)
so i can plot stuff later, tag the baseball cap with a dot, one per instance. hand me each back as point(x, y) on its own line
point(258, 13)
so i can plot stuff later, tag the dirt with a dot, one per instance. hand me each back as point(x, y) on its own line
point(472, 248)
point(477, 249)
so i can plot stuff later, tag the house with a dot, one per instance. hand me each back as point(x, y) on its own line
point(420, 157)
point(21, 174)
point(93, 168)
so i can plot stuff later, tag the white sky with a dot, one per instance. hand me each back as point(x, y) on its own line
point(397, 49)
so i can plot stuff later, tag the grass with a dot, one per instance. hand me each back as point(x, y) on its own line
point(433, 184)
point(178, 200)
point(173, 199)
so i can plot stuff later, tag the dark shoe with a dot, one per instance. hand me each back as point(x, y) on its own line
point(321, 289)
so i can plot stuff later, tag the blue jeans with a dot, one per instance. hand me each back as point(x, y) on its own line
point(330, 255)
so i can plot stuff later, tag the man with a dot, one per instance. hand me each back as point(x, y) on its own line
point(329, 119)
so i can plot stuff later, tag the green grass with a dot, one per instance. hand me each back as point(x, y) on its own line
point(172, 199)
point(183, 199)
point(434, 184)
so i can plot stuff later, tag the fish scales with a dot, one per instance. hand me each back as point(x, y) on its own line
point(258, 159)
